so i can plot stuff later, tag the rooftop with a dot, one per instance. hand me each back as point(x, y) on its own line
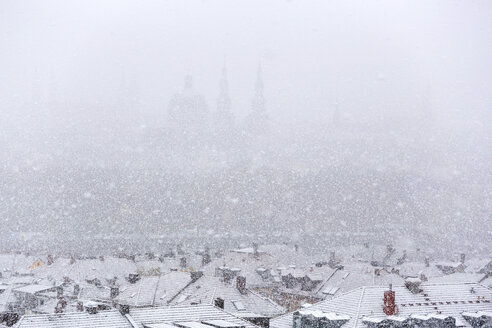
point(206, 289)
point(367, 302)
point(103, 319)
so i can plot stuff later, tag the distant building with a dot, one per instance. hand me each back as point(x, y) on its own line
point(188, 113)
point(223, 121)
point(257, 123)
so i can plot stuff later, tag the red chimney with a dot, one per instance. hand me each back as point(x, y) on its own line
point(389, 302)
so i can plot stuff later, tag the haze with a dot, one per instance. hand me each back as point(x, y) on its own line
point(379, 114)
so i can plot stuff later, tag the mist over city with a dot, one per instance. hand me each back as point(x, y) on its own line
point(320, 133)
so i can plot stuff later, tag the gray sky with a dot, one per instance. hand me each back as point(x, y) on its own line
point(373, 56)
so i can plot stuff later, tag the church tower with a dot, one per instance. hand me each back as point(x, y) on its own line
point(257, 121)
point(188, 113)
point(258, 104)
point(224, 101)
point(223, 118)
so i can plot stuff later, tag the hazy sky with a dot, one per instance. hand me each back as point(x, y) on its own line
point(373, 56)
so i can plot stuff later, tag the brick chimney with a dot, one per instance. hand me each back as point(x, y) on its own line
point(241, 284)
point(124, 309)
point(59, 291)
point(92, 309)
point(195, 275)
point(133, 278)
point(183, 263)
point(114, 292)
point(389, 301)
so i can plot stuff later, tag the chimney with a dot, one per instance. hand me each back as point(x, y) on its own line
point(389, 301)
point(227, 275)
point(183, 263)
point(206, 259)
point(76, 290)
point(255, 249)
point(241, 284)
point(427, 261)
point(195, 275)
point(92, 309)
point(59, 291)
point(124, 309)
point(62, 303)
point(58, 309)
point(462, 258)
point(133, 278)
point(219, 302)
point(80, 306)
point(114, 292)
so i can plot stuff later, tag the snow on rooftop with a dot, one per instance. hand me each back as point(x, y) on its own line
point(196, 313)
point(102, 319)
point(447, 299)
point(33, 289)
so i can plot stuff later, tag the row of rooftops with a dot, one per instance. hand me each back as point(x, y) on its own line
point(177, 288)
point(198, 316)
point(362, 307)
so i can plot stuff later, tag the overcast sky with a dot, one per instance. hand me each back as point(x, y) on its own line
point(370, 56)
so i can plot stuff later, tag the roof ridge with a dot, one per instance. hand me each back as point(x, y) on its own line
point(358, 306)
point(322, 285)
point(155, 289)
point(427, 284)
point(66, 313)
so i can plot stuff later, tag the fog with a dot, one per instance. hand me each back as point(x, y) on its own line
point(318, 122)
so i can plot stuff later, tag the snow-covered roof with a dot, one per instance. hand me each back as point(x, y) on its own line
point(196, 313)
point(102, 319)
point(33, 289)
point(367, 302)
point(206, 289)
point(155, 290)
